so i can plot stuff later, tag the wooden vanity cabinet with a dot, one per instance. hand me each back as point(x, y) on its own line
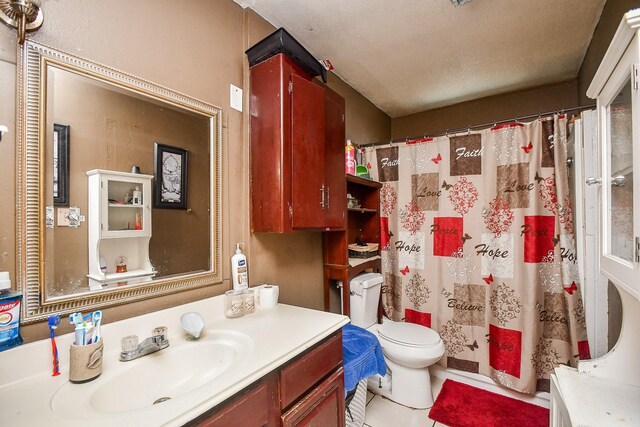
point(297, 145)
point(309, 390)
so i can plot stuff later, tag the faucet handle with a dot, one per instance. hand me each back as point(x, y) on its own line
point(129, 343)
point(159, 335)
point(159, 330)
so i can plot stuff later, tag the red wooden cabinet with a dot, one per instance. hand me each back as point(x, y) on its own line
point(297, 144)
point(255, 406)
point(336, 194)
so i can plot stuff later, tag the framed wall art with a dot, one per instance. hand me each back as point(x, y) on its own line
point(170, 172)
point(60, 165)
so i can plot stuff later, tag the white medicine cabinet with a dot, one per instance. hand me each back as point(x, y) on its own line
point(615, 86)
point(119, 227)
point(605, 391)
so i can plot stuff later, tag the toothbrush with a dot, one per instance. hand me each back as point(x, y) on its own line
point(76, 318)
point(97, 319)
point(54, 321)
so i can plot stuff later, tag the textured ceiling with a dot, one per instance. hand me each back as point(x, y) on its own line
point(407, 56)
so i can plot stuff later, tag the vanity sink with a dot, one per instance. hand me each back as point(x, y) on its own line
point(157, 378)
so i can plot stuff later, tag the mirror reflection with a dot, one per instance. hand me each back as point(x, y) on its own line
point(100, 237)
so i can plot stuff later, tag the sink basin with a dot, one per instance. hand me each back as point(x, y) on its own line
point(155, 378)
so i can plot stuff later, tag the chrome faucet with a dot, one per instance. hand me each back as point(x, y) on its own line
point(130, 349)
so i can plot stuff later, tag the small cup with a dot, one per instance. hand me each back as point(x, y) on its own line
point(234, 304)
point(135, 169)
point(249, 301)
point(85, 362)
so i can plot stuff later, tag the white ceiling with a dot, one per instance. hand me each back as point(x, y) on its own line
point(407, 56)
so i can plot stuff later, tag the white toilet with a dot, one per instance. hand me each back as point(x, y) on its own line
point(409, 349)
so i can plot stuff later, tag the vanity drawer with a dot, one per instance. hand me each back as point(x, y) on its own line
point(323, 406)
point(309, 369)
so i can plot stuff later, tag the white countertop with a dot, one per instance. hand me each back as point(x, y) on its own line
point(597, 401)
point(278, 334)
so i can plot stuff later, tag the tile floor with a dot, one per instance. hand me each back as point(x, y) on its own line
point(381, 412)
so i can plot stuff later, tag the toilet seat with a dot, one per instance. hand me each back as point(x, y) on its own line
point(409, 334)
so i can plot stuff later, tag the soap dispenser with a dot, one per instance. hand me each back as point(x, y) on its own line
point(239, 270)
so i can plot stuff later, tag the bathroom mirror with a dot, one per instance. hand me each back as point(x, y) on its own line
point(113, 122)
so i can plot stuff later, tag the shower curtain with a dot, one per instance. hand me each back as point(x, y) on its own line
point(477, 241)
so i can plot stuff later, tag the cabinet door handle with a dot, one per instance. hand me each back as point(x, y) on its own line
point(618, 181)
point(593, 181)
point(322, 196)
point(328, 194)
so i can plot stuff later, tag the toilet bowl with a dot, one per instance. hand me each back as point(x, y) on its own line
point(409, 349)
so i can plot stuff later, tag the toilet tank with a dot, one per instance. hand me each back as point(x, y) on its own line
point(363, 300)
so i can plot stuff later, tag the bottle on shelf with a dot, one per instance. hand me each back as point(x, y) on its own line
point(239, 270)
point(137, 198)
point(350, 158)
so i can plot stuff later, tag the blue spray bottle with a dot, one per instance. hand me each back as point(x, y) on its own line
point(9, 314)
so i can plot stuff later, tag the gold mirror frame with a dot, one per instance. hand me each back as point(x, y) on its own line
point(33, 59)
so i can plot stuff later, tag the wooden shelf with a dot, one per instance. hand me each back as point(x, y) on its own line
point(362, 181)
point(357, 262)
point(138, 272)
point(118, 205)
point(363, 223)
point(362, 210)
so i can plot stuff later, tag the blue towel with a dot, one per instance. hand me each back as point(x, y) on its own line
point(362, 355)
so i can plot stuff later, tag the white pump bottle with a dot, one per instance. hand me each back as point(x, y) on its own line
point(239, 270)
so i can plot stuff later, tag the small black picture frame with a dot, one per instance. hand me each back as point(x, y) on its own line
point(60, 165)
point(170, 174)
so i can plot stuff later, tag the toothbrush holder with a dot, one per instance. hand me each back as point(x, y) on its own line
point(85, 362)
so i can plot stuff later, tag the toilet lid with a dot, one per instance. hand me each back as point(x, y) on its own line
point(409, 333)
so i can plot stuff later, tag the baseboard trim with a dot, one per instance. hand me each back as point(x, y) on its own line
point(480, 381)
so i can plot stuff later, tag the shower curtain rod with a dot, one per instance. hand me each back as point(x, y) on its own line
point(478, 127)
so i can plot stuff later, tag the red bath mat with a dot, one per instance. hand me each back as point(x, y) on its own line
point(461, 405)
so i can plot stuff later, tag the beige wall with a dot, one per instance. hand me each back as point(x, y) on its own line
point(606, 28)
point(486, 110)
point(199, 51)
point(195, 50)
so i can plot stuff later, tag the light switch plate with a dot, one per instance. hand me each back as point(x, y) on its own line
point(235, 99)
point(63, 217)
point(49, 217)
